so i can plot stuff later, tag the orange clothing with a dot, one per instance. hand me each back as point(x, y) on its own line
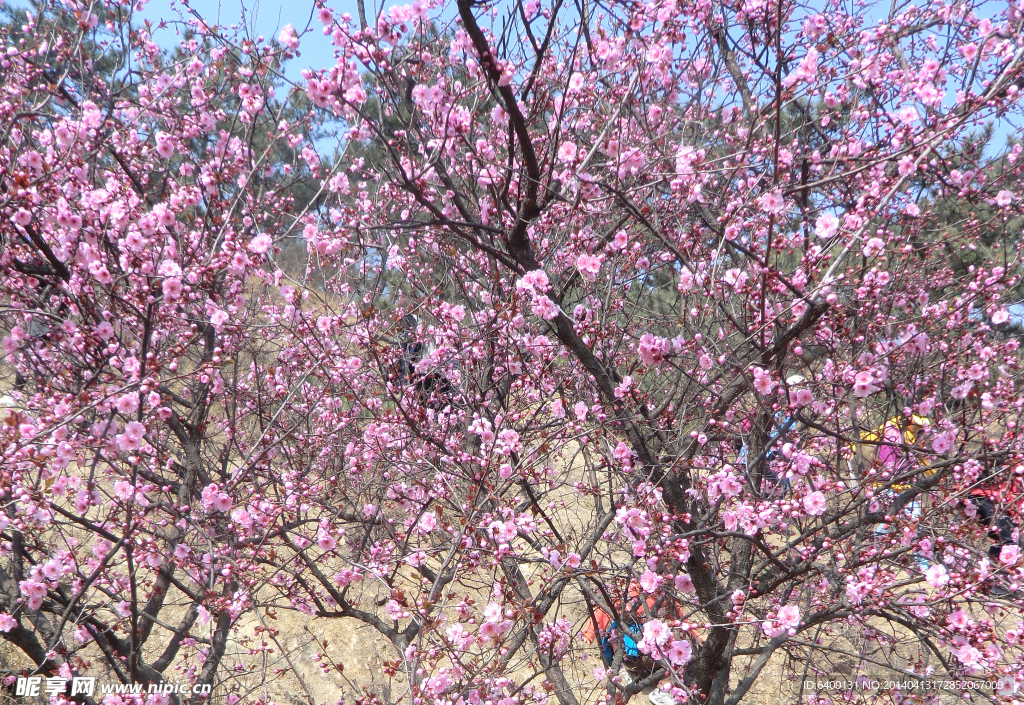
point(604, 619)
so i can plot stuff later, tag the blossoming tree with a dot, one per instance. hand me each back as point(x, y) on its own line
point(599, 307)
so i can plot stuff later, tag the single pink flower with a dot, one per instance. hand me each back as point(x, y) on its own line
point(815, 503)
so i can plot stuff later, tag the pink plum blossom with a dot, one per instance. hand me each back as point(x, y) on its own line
point(544, 308)
point(773, 203)
point(650, 581)
point(789, 617)
point(679, 652)
point(815, 503)
point(7, 622)
point(589, 266)
point(826, 226)
point(289, 37)
point(864, 384)
point(936, 576)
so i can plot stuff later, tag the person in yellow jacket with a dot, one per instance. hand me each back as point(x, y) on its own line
point(888, 440)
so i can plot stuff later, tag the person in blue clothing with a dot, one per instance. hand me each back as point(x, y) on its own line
point(773, 483)
point(781, 433)
point(631, 649)
point(605, 628)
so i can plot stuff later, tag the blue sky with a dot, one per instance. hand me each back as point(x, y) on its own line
point(265, 18)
